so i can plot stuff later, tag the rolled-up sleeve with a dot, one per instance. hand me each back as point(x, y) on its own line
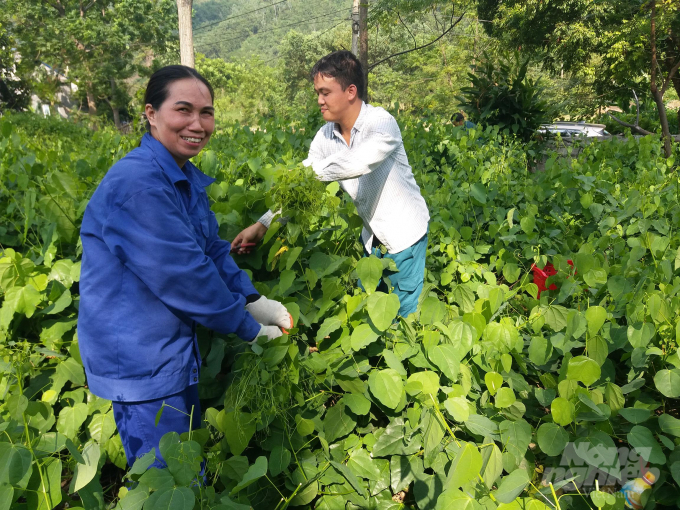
point(219, 251)
point(381, 139)
point(152, 239)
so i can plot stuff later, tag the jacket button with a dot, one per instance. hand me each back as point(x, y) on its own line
point(195, 379)
point(194, 370)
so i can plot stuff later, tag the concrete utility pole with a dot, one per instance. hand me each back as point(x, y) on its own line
point(186, 33)
point(355, 27)
point(363, 44)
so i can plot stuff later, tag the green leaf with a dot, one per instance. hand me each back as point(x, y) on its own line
point(598, 450)
point(478, 192)
point(338, 423)
point(601, 499)
point(668, 382)
point(184, 460)
point(635, 415)
point(595, 277)
point(454, 499)
point(642, 439)
point(156, 479)
point(102, 427)
point(142, 463)
point(511, 486)
point(382, 309)
point(363, 335)
point(15, 465)
point(552, 439)
point(84, 473)
point(362, 465)
point(562, 411)
point(466, 466)
point(44, 489)
point(387, 386)
point(359, 404)
point(511, 272)
point(329, 325)
point(351, 478)
point(597, 349)
point(369, 270)
point(427, 382)
point(505, 398)
point(432, 310)
point(254, 473)
point(16, 405)
point(493, 381)
point(404, 470)
point(444, 356)
point(279, 459)
point(555, 317)
point(595, 315)
point(669, 425)
point(583, 369)
point(516, 436)
point(171, 498)
point(47, 444)
point(239, 428)
point(482, 426)
point(640, 334)
point(458, 408)
point(70, 420)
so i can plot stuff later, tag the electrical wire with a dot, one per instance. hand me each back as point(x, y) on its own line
point(206, 25)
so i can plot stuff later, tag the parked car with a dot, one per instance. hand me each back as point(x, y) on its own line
point(573, 129)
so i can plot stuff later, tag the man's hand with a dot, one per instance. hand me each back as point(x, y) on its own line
point(248, 238)
point(270, 313)
point(271, 332)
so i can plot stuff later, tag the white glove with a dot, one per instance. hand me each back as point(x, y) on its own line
point(271, 332)
point(270, 313)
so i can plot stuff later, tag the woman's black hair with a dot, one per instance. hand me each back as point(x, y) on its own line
point(157, 88)
point(344, 66)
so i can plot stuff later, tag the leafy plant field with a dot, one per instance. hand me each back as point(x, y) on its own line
point(499, 393)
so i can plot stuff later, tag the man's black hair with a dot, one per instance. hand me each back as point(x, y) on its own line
point(458, 117)
point(157, 89)
point(344, 66)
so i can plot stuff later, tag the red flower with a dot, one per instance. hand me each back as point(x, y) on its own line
point(541, 275)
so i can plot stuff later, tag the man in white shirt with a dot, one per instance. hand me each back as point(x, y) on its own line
point(361, 147)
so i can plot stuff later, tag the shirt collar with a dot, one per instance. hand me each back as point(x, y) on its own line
point(170, 167)
point(358, 124)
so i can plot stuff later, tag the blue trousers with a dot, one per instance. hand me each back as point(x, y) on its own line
point(136, 422)
point(408, 281)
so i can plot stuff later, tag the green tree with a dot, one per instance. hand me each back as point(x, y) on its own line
point(14, 92)
point(621, 44)
point(503, 95)
point(96, 44)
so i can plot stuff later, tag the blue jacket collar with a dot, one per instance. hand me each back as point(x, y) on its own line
point(169, 165)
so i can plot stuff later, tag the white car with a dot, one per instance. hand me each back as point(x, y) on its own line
point(574, 129)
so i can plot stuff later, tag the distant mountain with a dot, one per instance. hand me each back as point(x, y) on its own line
point(236, 29)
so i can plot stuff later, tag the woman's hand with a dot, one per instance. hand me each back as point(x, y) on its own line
point(270, 332)
point(270, 313)
point(247, 238)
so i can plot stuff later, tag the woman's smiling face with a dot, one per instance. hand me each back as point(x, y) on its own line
point(185, 120)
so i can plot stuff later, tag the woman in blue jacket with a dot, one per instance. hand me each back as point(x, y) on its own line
point(153, 267)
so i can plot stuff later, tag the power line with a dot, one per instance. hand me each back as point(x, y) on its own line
point(237, 16)
point(278, 28)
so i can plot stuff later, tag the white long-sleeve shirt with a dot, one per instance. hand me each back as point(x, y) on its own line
point(374, 170)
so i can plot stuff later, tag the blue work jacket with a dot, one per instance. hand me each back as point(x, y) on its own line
point(153, 266)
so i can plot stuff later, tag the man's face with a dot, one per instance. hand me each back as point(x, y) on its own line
point(332, 100)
